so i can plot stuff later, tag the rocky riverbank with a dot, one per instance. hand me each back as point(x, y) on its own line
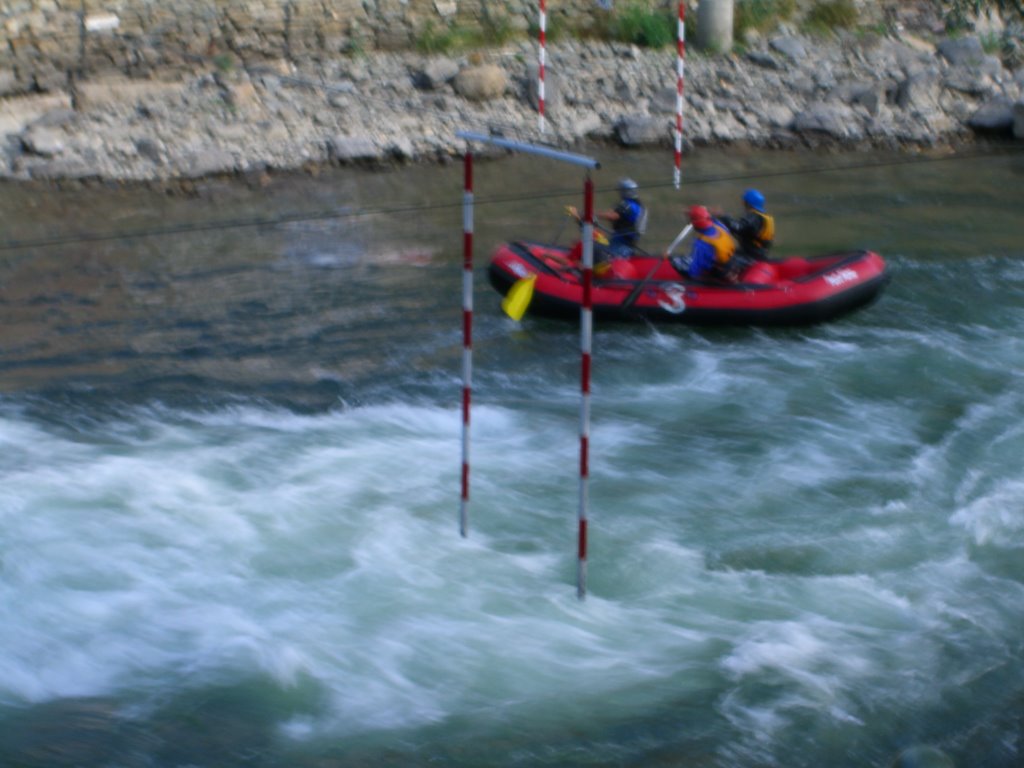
point(786, 90)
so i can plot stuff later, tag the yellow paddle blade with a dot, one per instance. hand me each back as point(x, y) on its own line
point(600, 237)
point(518, 297)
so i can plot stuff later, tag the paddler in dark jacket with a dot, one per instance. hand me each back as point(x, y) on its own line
point(711, 257)
point(755, 230)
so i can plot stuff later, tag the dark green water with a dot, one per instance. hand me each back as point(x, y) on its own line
point(230, 460)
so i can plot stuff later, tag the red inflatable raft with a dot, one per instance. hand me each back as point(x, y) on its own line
point(790, 291)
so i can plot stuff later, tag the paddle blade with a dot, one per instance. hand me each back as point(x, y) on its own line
point(518, 297)
point(679, 238)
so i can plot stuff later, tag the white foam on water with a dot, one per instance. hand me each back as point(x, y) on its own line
point(997, 517)
point(730, 551)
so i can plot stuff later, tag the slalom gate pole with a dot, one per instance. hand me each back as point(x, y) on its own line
point(467, 331)
point(586, 322)
point(542, 61)
point(680, 63)
point(586, 336)
point(531, 149)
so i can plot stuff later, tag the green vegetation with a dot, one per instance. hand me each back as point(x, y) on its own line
point(828, 15)
point(492, 30)
point(652, 23)
point(644, 26)
point(224, 63)
point(1009, 45)
point(555, 30)
point(448, 38)
point(958, 12)
point(496, 30)
point(760, 15)
point(635, 23)
point(432, 39)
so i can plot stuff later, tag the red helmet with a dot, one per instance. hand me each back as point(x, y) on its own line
point(700, 217)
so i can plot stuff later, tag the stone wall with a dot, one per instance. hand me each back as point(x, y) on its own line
point(45, 43)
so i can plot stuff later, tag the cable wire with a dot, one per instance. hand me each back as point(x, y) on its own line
point(350, 213)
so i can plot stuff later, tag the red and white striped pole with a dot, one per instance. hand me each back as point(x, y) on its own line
point(586, 336)
point(467, 331)
point(542, 61)
point(680, 62)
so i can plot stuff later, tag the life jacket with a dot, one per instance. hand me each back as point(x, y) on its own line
point(721, 241)
point(632, 223)
point(764, 236)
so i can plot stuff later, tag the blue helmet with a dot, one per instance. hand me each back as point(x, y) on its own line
point(628, 189)
point(754, 199)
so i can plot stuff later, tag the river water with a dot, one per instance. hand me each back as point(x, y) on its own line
point(230, 450)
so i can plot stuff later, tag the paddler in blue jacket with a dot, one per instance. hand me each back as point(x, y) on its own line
point(628, 222)
point(711, 257)
point(628, 219)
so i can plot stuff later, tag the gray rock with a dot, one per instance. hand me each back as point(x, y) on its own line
point(66, 168)
point(435, 73)
point(663, 100)
point(825, 76)
point(149, 149)
point(481, 83)
point(991, 65)
point(996, 116)
point(55, 118)
point(1018, 120)
point(345, 149)
point(962, 50)
point(919, 91)
point(727, 128)
point(19, 113)
point(790, 47)
point(553, 98)
point(801, 84)
point(339, 100)
point(589, 124)
point(777, 115)
point(240, 95)
point(207, 162)
point(872, 98)
point(834, 120)
point(8, 82)
point(967, 80)
point(636, 130)
point(765, 60)
point(43, 141)
point(626, 90)
point(401, 149)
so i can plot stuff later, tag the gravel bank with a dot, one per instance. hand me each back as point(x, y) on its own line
point(855, 91)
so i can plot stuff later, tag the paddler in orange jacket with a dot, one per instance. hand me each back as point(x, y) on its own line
point(711, 256)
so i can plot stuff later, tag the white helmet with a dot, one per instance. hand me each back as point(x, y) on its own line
point(628, 188)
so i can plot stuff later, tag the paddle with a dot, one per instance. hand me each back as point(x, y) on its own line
point(518, 297)
point(668, 252)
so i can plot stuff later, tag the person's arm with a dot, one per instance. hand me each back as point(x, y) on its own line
point(728, 222)
point(747, 227)
point(609, 215)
